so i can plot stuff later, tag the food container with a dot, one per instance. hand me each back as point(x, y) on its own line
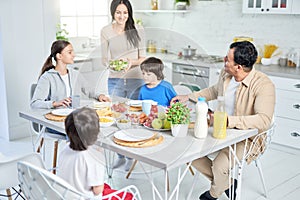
point(123, 123)
point(189, 52)
point(106, 121)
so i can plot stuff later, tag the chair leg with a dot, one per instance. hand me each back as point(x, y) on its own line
point(191, 169)
point(131, 168)
point(258, 165)
point(55, 156)
point(8, 194)
point(40, 146)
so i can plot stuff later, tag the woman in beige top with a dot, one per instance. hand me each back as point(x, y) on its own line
point(122, 39)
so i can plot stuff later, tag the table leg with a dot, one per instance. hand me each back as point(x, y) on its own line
point(131, 168)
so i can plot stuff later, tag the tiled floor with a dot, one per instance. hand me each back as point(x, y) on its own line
point(280, 166)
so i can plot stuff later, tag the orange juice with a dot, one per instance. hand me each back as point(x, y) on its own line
point(220, 123)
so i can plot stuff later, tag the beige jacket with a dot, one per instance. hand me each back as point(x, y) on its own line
point(254, 101)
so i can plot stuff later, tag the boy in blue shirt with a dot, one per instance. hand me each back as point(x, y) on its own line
point(155, 88)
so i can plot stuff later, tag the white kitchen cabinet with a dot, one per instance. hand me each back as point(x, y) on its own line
point(287, 111)
point(168, 71)
point(214, 73)
point(268, 6)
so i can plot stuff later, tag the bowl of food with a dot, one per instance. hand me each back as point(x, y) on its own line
point(106, 121)
point(118, 65)
point(123, 123)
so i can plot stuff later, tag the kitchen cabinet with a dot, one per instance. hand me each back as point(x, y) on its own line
point(287, 112)
point(269, 6)
point(168, 71)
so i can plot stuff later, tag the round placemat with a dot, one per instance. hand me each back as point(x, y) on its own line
point(140, 144)
point(56, 118)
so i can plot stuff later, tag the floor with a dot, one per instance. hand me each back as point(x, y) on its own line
point(280, 166)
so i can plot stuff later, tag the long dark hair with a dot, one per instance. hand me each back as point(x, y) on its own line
point(130, 30)
point(57, 47)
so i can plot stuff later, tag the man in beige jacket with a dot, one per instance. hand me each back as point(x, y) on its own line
point(249, 103)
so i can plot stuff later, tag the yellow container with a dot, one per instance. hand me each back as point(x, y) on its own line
point(220, 124)
point(242, 38)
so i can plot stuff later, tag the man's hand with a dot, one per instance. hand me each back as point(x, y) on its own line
point(180, 98)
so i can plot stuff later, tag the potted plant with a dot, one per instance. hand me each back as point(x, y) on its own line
point(179, 116)
point(61, 32)
point(181, 4)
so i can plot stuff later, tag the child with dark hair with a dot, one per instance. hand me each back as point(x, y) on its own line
point(155, 88)
point(79, 163)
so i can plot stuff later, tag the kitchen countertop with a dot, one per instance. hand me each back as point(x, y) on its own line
point(271, 70)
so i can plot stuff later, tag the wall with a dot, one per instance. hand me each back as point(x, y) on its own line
point(214, 24)
point(28, 29)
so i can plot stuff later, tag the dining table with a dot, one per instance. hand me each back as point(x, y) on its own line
point(171, 153)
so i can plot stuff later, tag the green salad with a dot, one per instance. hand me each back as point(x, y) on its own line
point(118, 65)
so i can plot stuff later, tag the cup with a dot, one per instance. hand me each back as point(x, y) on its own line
point(282, 62)
point(75, 101)
point(146, 106)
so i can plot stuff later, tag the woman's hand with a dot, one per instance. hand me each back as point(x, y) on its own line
point(180, 98)
point(103, 98)
point(65, 103)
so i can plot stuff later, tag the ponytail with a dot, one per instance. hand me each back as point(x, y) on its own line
point(47, 65)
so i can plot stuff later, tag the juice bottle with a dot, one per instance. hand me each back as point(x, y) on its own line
point(220, 120)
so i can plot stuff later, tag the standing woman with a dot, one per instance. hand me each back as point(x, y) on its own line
point(57, 83)
point(122, 39)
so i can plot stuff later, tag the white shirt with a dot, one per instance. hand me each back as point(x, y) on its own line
point(65, 78)
point(82, 169)
point(230, 94)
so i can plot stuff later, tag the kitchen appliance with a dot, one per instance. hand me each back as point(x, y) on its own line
point(189, 52)
point(191, 75)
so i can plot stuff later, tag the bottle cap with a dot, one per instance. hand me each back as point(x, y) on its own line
point(201, 99)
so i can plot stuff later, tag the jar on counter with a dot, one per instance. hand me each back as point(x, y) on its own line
point(151, 46)
point(294, 58)
point(154, 4)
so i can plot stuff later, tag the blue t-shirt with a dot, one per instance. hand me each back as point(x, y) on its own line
point(162, 93)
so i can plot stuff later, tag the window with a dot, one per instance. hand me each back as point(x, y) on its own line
point(84, 17)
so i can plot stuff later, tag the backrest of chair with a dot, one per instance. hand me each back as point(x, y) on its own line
point(37, 183)
point(182, 90)
point(8, 168)
point(261, 142)
point(36, 127)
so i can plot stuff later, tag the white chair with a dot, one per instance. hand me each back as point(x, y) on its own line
point(41, 133)
point(257, 148)
point(182, 90)
point(8, 171)
point(37, 183)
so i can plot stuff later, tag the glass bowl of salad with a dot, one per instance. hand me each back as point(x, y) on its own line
point(118, 65)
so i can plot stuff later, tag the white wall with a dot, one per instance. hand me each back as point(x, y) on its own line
point(214, 24)
point(28, 29)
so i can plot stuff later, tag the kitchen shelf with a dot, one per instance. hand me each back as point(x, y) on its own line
point(162, 11)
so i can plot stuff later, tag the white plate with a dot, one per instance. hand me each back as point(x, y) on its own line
point(98, 104)
point(62, 112)
point(153, 129)
point(133, 135)
point(135, 103)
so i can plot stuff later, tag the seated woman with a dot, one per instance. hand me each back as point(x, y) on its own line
point(56, 84)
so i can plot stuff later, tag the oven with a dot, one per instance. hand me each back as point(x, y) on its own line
point(191, 75)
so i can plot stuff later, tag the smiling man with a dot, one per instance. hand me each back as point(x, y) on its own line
point(249, 103)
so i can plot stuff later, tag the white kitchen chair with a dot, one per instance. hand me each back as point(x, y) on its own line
point(8, 171)
point(258, 147)
point(38, 183)
point(42, 133)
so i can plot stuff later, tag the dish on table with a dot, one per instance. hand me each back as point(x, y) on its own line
point(62, 111)
point(135, 103)
point(153, 129)
point(99, 105)
point(133, 135)
point(106, 121)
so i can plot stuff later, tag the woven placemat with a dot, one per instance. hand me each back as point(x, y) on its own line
point(140, 144)
point(56, 118)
